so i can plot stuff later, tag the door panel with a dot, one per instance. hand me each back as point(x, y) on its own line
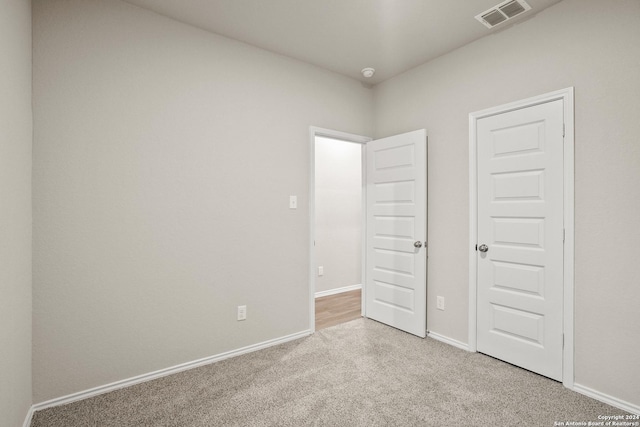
point(520, 219)
point(396, 270)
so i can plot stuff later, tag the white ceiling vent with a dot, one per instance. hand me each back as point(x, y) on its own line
point(502, 12)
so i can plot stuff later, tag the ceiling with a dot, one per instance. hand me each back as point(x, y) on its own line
point(344, 36)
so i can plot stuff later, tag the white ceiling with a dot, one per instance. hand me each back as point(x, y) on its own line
point(344, 36)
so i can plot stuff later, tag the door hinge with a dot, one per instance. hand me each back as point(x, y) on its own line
point(563, 341)
point(563, 130)
point(563, 234)
point(476, 247)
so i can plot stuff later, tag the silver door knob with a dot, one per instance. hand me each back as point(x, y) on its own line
point(417, 244)
point(483, 248)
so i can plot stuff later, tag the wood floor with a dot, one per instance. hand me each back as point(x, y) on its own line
point(339, 308)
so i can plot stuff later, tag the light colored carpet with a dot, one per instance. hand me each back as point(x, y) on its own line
point(360, 373)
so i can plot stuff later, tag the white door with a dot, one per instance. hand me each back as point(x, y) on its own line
point(520, 225)
point(396, 260)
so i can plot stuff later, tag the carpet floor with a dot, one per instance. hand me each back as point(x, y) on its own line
point(359, 373)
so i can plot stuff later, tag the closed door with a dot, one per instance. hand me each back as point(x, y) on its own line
point(396, 227)
point(520, 237)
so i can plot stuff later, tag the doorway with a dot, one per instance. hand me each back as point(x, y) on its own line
point(521, 234)
point(393, 238)
point(337, 227)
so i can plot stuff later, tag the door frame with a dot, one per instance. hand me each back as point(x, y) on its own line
point(347, 137)
point(567, 96)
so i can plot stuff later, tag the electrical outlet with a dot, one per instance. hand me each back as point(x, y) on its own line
point(293, 202)
point(440, 303)
point(242, 312)
point(320, 271)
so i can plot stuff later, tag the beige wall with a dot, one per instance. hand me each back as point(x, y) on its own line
point(594, 46)
point(338, 209)
point(164, 157)
point(15, 211)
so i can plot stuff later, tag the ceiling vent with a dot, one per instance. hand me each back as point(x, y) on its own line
point(502, 12)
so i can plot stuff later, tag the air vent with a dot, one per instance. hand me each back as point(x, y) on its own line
point(494, 17)
point(512, 9)
point(502, 12)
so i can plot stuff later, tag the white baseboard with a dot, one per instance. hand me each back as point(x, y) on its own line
point(337, 291)
point(27, 419)
point(605, 398)
point(164, 372)
point(448, 340)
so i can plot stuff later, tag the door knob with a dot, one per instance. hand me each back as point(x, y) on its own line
point(483, 248)
point(417, 244)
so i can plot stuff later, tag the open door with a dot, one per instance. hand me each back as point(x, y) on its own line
point(396, 260)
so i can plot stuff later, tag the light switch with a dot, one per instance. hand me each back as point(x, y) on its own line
point(293, 202)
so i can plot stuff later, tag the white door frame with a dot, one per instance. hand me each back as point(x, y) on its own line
point(348, 137)
point(566, 95)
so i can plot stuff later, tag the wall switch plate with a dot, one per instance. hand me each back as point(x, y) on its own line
point(293, 202)
point(242, 312)
point(320, 271)
point(440, 303)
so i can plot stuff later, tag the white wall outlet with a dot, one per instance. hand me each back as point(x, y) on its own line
point(242, 312)
point(440, 303)
point(293, 202)
point(320, 271)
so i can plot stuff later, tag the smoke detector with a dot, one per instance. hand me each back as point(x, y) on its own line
point(502, 12)
point(368, 72)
